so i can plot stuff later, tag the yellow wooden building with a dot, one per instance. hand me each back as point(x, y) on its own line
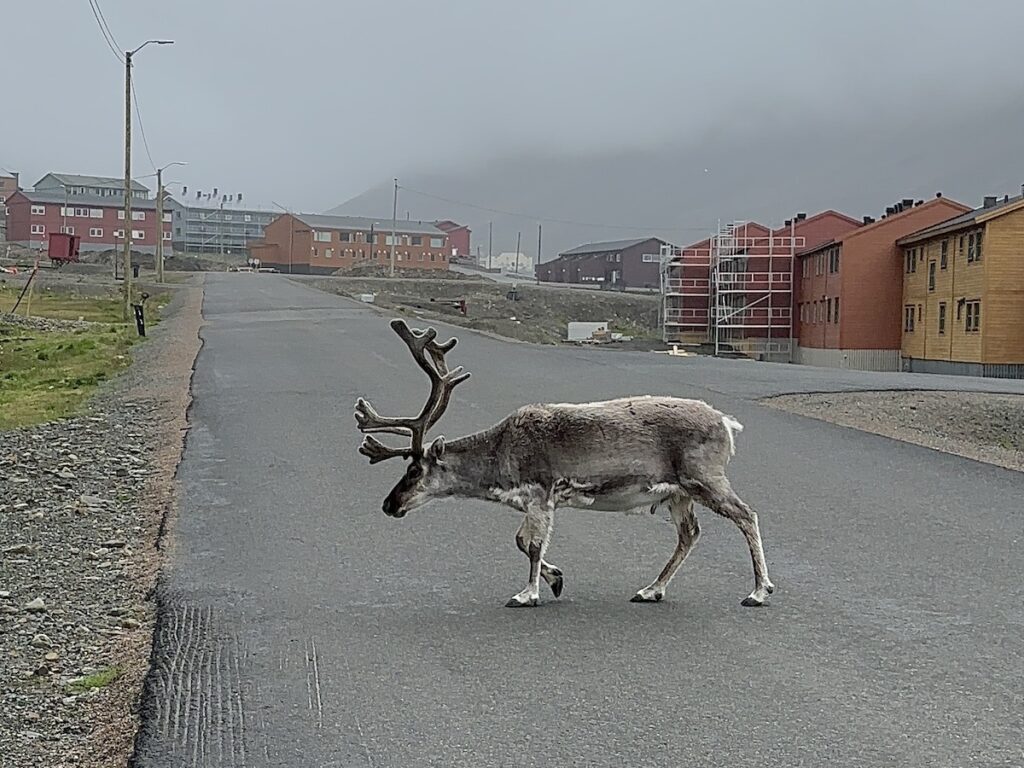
point(963, 293)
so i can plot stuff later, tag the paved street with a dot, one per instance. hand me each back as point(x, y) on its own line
point(302, 627)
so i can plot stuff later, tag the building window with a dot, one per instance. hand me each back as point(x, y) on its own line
point(920, 312)
point(833, 259)
point(931, 275)
point(828, 311)
point(416, 240)
point(247, 217)
point(38, 229)
point(227, 217)
point(138, 215)
point(973, 321)
point(95, 213)
point(167, 217)
point(649, 258)
point(944, 254)
point(322, 237)
point(119, 234)
point(973, 247)
point(942, 317)
point(437, 242)
point(908, 319)
point(138, 234)
point(329, 253)
point(835, 316)
point(95, 232)
point(345, 237)
point(433, 256)
point(977, 247)
point(389, 240)
point(67, 229)
point(38, 210)
point(911, 260)
point(120, 215)
point(422, 256)
point(167, 235)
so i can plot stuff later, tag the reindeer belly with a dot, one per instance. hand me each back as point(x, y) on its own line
point(627, 498)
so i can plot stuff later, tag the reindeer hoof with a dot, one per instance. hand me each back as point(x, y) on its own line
point(556, 585)
point(770, 588)
point(515, 603)
point(752, 602)
point(647, 597)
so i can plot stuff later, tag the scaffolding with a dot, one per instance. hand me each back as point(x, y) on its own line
point(733, 293)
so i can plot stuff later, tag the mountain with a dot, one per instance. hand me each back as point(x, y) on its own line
point(759, 169)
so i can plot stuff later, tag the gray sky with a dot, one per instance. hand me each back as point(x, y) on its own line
point(310, 102)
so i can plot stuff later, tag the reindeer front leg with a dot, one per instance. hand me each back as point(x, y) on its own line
point(532, 538)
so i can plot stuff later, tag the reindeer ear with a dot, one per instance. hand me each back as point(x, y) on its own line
point(436, 449)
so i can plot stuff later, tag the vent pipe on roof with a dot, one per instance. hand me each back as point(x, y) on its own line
point(889, 210)
point(869, 219)
point(1006, 198)
point(989, 201)
point(919, 202)
point(908, 202)
point(788, 223)
point(938, 194)
point(801, 216)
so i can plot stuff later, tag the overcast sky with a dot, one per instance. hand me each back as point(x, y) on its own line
point(310, 102)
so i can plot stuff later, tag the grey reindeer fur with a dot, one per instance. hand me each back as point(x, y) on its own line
point(617, 455)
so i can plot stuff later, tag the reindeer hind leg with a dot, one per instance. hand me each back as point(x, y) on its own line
point(688, 531)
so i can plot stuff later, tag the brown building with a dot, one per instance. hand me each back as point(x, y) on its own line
point(851, 290)
point(458, 238)
point(305, 243)
point(614, 264)
point(963, 293)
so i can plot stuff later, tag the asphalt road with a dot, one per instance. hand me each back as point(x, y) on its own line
point(301, 627)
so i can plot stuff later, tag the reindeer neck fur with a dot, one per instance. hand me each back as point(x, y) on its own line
point(472, 468)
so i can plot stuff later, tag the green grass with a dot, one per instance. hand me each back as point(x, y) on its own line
point(63, 306)
point(96, 680)
point(46, 375)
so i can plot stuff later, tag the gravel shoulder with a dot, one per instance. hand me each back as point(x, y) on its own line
point(83, 509)
point(976, 425)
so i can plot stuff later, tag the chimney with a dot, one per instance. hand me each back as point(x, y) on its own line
point(801, 216)
point(869, 219)
point(908, 202)
point(938, 195)
point(789, 222)
point(990, 201)
point(889, 210)
point(919, 202)
point(1006, 198)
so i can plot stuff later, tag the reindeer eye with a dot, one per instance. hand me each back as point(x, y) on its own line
point(415, 470)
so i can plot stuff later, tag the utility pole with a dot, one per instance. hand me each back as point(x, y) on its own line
point(490, 238)
point(536, 262)
point(394, 225)
point(127, 231)
point(518, 237)
point(159, 225)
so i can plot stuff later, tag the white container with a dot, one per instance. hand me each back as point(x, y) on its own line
point(584, 331)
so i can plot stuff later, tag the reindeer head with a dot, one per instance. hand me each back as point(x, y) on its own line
point(423, 477)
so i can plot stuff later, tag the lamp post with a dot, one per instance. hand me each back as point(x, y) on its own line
point(160, 220)
point(128, 173)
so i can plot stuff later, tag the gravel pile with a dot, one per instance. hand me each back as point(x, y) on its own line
point(73, 554)
point(977, 425)
point(44, 323)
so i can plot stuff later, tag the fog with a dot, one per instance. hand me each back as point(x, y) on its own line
point(653, 117)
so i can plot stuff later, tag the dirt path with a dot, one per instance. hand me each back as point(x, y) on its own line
point(981, 426)
point(83, 507)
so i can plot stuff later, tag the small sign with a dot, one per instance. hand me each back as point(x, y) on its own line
point(140, 319)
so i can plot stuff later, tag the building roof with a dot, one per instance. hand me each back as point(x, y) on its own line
point(885, 220)
point(963, 220)
point(78, 180)
point(609, 245)
point(91, 201)
point(363, 224)
point(449, 226)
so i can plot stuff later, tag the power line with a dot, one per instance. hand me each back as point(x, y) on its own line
point(142, 129)
point(108, 36)
point(557, 221)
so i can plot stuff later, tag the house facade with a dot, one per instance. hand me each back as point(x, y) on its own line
point(459, 236)
point(614, 264)
point(851, 290)
point(322, 244)
point(963, 293)
point(99, 221)
point(77, 185)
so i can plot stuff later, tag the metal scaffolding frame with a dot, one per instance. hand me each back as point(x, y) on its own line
point(736, 293)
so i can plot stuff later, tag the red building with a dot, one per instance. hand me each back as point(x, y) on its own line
point(850, 299)
point(458, 238)
point(97, 220)
point(745, 272)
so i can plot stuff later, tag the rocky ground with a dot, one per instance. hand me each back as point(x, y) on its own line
point(977, 425)
point(82, 507)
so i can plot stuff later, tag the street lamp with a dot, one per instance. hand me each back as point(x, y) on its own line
point(160, 219)
point(128, 173)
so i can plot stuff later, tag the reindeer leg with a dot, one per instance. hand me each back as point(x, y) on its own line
point(552, 574)
point(719, 497)
point(532, 538)
point(688, 530)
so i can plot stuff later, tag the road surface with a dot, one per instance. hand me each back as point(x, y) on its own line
point(301, 627)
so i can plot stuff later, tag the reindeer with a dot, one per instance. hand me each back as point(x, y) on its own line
point(617, 455)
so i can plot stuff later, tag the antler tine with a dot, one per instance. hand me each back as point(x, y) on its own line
point(369, 420)
point(376, 451)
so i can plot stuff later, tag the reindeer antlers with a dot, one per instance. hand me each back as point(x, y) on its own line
point(429, 356)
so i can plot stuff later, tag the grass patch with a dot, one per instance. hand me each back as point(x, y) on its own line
point(46, 375)
point(63, 306)
point(99, 679)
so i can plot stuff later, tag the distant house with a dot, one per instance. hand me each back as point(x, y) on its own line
point(73, 184)
point(305, 243)
point(458, 237)
point(615, 263)
point(510, 261)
